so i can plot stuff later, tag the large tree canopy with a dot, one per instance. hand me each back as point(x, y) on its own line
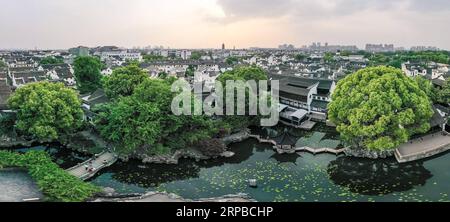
point(46, 110)
point(51, 60)
point(2, 64)
point(443, 94)
point(144, 121)
point(243, 73)
point(88, 73)
point(124, 80)
point(427, 86)
point(395, 59)
point(379, 108)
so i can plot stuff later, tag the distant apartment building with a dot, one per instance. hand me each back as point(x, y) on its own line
point(380, 48)
point(124, 55)
point(286, 47)
point(318, 47)
point(424, 48)
point(79, 51)
point(185, 54)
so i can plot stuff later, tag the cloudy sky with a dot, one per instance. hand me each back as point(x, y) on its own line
point(208, 23)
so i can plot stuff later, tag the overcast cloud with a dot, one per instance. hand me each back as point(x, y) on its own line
point(208, 23)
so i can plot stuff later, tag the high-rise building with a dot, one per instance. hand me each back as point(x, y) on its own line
point(380, 48)
point(286, 47)
point(79, 51)
point(223, 46)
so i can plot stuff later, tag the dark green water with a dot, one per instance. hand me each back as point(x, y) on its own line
point(16, 185)
point(302, 177)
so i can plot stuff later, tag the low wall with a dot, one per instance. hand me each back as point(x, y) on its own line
point(419, 156)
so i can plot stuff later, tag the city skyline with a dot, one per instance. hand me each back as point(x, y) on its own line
point(53, 24)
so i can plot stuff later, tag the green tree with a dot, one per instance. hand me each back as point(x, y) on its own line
point(152, 58)
point(379, 59)
point(162, 75)
point(88, 73)
point(7, 122)
point(46, 110)
point(328, 57)
point(427, 87)
point(443, 94)
point(300, 57)
point(243, 73)
point(397, 58)
point(123, 81)
point(190, 71)
point(142, 124)
point(150, 127)
point(379, 108)
point(2, 64)
point(232, 60)
point(51, 60)
point(196, 55)
point(346, 53)
point(396, 63)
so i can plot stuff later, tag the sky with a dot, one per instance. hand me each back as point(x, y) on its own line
point(59, 24)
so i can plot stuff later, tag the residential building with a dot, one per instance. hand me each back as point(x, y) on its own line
point(380, 48)
point(304, 97)
point(79, 51)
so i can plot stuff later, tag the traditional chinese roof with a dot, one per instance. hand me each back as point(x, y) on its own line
point(285, 138)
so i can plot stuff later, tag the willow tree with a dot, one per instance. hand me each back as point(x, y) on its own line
point(379, 108)
point(46, 110)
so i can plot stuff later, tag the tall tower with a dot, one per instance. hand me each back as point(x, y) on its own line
point(223, 46)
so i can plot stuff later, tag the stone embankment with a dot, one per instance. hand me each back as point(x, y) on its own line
point(237, 137)
point(8, 142)
point(193, 153)
point(363, 153)
point(110, 196)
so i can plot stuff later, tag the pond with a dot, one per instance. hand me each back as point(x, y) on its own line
point(303, 177)
point(16, 185)
point(297, 177)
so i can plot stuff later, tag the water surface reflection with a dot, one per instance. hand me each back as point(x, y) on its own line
point(377, 177)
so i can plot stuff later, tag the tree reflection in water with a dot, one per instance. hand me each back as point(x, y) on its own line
point(286, 158)
point(377, 177)
point(65, 158)
point(153, 175)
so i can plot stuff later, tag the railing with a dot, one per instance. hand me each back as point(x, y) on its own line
point(97, 169)
point(85, 162)
point(91, 174)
